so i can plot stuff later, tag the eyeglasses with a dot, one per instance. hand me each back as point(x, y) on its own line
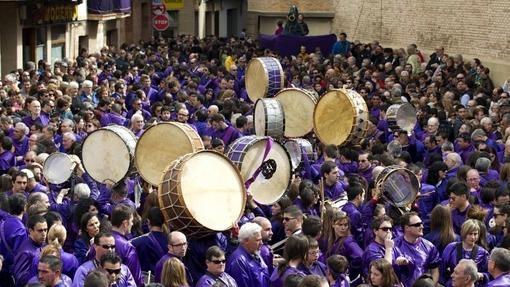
point(219, 261)
point(386, 228)
point(180, 244)
point(106, 246)
point(417, 224)
point(288, 218)
point(113, 271)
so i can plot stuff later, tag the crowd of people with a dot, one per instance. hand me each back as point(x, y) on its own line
point(85, 233)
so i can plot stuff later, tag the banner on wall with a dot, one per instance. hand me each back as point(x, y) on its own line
point(174, 4)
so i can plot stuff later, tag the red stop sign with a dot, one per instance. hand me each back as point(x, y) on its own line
point(161, 22)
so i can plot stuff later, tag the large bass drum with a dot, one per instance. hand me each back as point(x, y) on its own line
point(159, 145)
point(265, 167)
point(341, 117)
point(58, 167)
point(108, 153)
point(201, 193)
point(401, 117)
point(269, 119)
point(264, 78)
point(298, 105)
point(398, 186)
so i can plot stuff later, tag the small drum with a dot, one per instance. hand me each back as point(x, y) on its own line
point(265, 159)
point(398, 185)
point(264, 78)
point(341, 117)
point(295, 147)
point(201, 193)
point(108, 153)
point(58, 168)
point(401, 116)
point(298, 105)
point(161, 144)
point(269, 119)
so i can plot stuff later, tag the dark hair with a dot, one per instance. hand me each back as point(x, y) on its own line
point(100, 235)
point(53, 262)
point(213, 251)
point(459, 189)
point(296, 247)
point(52, 217)
point(96, 278)
point(110, 257)
point(120, 188)
point(155, 217)
point(376, 223)
point(120, 213)
point(17, 203)
point(425, 280)
point(294, 211)
point(85, 220)
point(331, 151)
point(337, 264)
point(327, 167)
point(34, 219)
point(433, 172)
point(406, 218)
point(353, 191)
point(312, 226)
point(293, 280)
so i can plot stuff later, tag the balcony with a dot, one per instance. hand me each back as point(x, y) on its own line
point(107, 10)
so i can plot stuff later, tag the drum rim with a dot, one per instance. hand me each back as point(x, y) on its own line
point(109, 128)
point(57, 153)
point(348, 138)
point(394, 168)
point(266, 116)
point(203, 230)
point(266, 77)
point(255, 139)
point(178, 125)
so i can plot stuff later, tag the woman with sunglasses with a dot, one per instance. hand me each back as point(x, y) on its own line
point(337, 239)
point(215, 274)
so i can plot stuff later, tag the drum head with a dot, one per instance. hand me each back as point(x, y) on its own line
point(294, 150)
point(58, 168)
point(298, 105)
point(399, 185)
point(334, 117)
point(107, 153)
point(264, 77)
point(405, 116)
point(269, 118)
point(159, 145)
point(267, 190)
point(212, 190)
point(260, 118)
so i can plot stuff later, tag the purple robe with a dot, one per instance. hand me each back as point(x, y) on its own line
point(465, 153)
point(248, 270)
point(65, 281)
point(126, 279)
point(112, 118)
point(422, 256)
point(7, 160)
point(69, 263)
point(21, 147)
point(426, 202)
point(334, 192)
point(127, 253)
point(376, 251)
point(502, 280)
point(316, 268)
point(224, 280)
point(12, 234)
point(22, 269)
point(458, 218)
point(267, 256)
point(449, 261)
point(351, 250)
point(228, 135)
point(367, 174)
point(278, 278)
point(357, 224)
point(348, 167)
point(153, 246)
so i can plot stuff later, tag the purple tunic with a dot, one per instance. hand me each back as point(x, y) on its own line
point(127, 253)
point(458, 218)
point(153, 246)
point(126, 279)
point(278, 278)
point(450, 260)
point(376, 251)
point(209, 280)
point(12, 234)
point(21, 146)
point(422, 256)
point(22, 269)
point(503, 280)
point(248, 270)
point(341, 281)
point(357, 224)
point(316, 268)
point(267, 256)
point(7, 160)
point(228, 135)
point(334, 192)
point(42, 119)
point(351, 250)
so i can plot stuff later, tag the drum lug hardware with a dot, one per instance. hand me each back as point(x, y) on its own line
point(268, 168)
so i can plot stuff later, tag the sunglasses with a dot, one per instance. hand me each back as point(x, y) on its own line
point(288, 218)
point(417, 224)
point(385, 228)
point(219, 261)
point(113, 271)
point(106, 246)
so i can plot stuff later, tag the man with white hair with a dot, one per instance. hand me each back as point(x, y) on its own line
point(20, 141)
point(137, 124)
point(499, 267)
point(68, 140)
point(465, 274)
point(245, 263)
point(36, 117)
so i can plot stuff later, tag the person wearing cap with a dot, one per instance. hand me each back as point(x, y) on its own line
point(32, 184)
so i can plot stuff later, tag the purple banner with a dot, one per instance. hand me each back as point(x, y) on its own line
point(106, 7)
point(287, 45)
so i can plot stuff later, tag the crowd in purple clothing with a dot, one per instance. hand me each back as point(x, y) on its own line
point(85, 233)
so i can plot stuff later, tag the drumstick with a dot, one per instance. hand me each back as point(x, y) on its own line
point(321, 189)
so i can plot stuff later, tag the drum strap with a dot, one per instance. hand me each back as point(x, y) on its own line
point(269, 145)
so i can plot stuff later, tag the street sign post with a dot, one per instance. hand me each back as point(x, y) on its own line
point(161, 22)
